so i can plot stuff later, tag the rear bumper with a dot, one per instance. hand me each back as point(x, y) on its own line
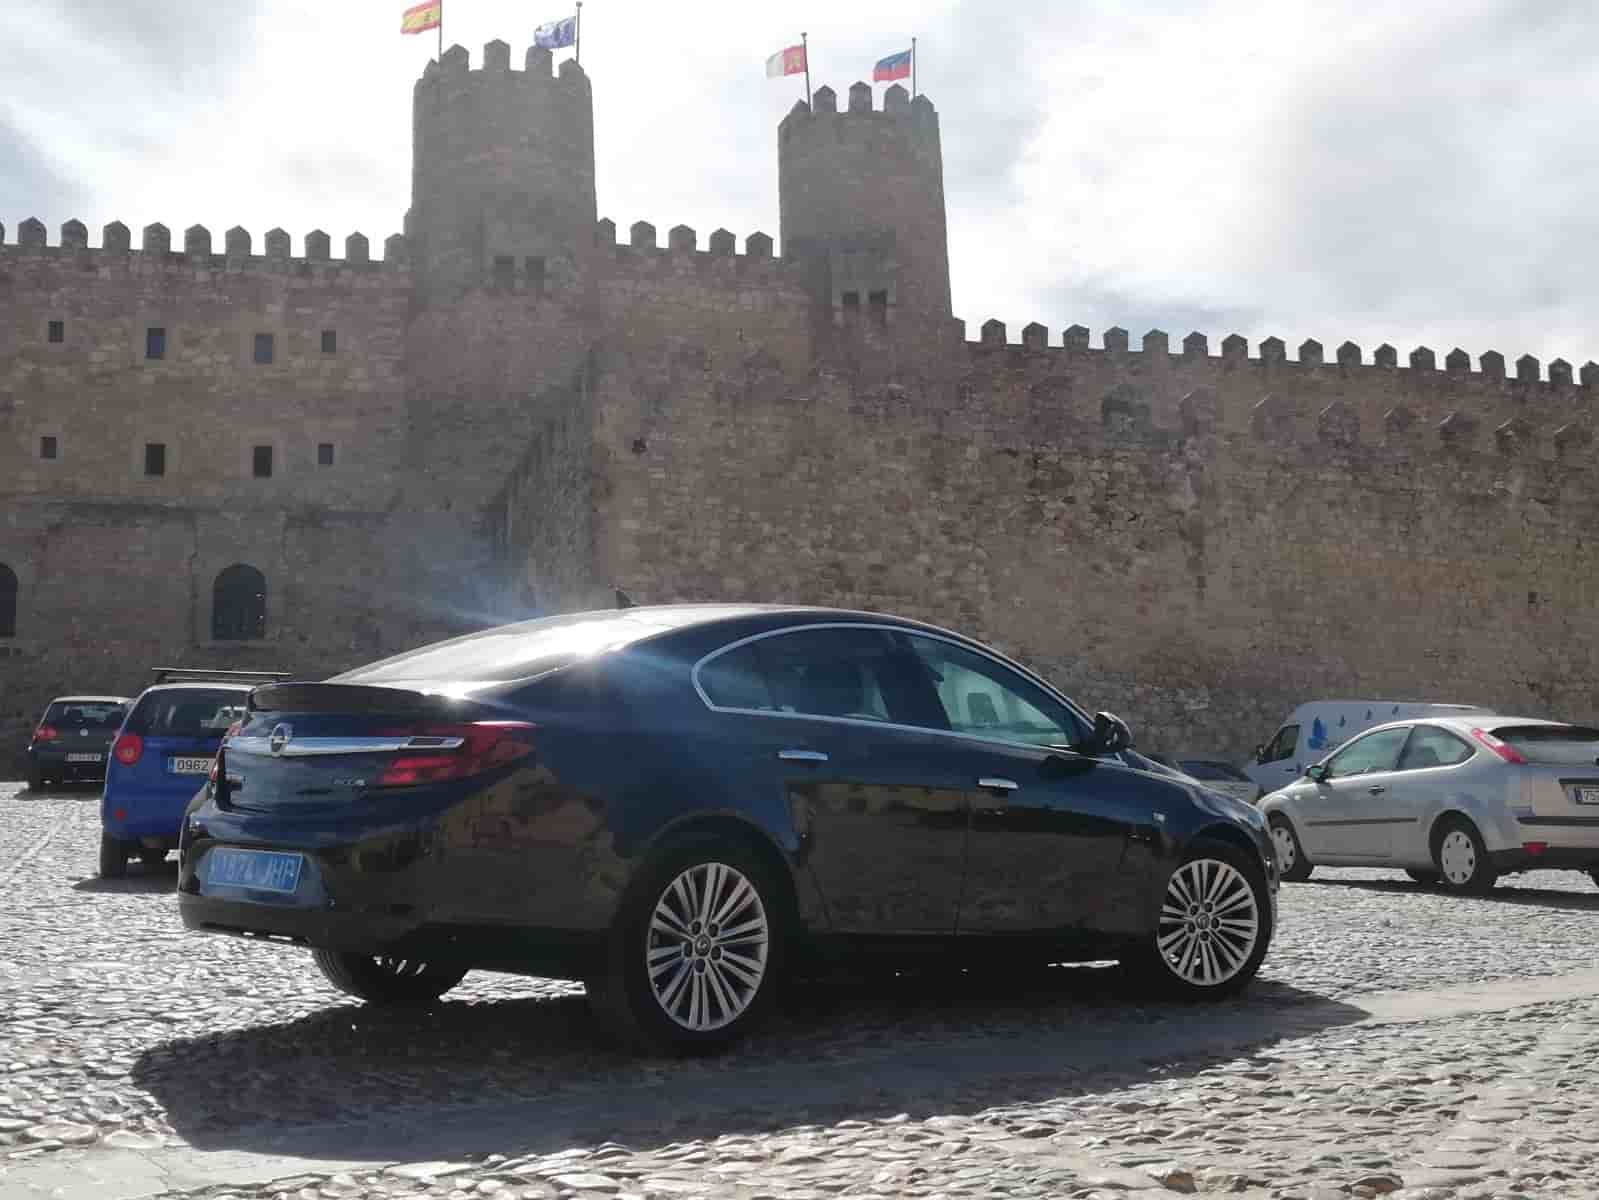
point(359, 931)
point(146, 814)
point(51, 761)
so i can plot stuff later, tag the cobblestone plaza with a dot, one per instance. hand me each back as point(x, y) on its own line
point(1398, 1040)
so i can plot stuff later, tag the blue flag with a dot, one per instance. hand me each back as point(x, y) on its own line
point(553, 35)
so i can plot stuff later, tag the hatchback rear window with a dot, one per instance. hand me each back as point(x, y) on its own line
point(1570, 745)
point(81, 714)
point(187, 712)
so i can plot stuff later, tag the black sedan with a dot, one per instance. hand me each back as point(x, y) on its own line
point(679, 804)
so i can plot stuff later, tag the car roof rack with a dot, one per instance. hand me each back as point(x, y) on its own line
point(164, 674)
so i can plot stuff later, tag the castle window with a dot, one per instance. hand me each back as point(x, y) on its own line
point(852, 306)
point(47, 447)
point(330, 341)
point(58, 332)
point(504, 272)
point(155, 342)
point(877, 303)
point(324, 454)
point(535, 275)
point(155, 458)
point(8, 601)
point(238, 605)
point(261, 462)
point(263, 348)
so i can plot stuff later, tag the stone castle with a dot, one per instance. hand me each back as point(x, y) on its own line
point(266, 461)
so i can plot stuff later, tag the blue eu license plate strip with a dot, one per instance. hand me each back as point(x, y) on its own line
point(258, 870)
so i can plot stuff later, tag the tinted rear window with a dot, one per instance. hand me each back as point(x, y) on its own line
point(1554, 744)
point(74, 714)
point(187, 712)
point(1212, 772)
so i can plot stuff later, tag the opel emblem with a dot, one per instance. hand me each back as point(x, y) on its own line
point(280, 737)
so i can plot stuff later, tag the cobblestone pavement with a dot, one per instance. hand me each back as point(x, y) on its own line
point(1376, 1054)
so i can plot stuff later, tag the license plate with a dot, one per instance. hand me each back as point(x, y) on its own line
point(1587, 795)
point(259, 870)
point(189, 766)
point(83, 757)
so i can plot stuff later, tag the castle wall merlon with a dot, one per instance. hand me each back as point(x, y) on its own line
point(116, 248)
point(538, 65)
point(74, 235)
point(31, 234)
point(197, 241)
point(681, 241)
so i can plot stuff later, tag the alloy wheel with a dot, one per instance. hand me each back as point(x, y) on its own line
point(706, 953)
point(1458, 857)
point(1209, 922)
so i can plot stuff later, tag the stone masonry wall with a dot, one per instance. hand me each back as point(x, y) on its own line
point(1196, 542)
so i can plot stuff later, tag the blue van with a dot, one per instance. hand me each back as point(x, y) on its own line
point(161, 757)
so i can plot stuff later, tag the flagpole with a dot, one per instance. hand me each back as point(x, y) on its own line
point(577, 35)
point(806, 47)
point(913, 68)
point(441, 32)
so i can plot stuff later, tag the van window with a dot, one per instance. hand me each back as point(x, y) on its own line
point(1282, 746)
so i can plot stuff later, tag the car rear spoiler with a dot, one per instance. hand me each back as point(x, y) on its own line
point(200, 675)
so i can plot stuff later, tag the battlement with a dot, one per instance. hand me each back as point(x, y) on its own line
point(198, 251)
point(455, 68)
point(897, 105)
point(682, 245)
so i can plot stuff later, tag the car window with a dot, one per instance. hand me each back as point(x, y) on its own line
point(1282, 746)
point(978, 695)
point(1430, 746)
point(1371, 752)
point(1562, 745)
point(861, 674)
point(84, 714)
point(187, 712)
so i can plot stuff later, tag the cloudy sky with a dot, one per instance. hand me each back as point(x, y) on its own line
point(1420, 173)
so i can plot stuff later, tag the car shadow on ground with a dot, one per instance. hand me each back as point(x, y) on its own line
point(534, 1074)
point(139, 881)
point(64, 791)
point(1505, 893)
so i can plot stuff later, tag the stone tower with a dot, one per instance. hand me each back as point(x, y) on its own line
point(502, 177)
point(862, 199)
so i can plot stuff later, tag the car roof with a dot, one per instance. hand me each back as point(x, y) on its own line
point(92, 700)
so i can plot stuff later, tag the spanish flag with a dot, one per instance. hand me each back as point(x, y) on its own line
point(423, 17)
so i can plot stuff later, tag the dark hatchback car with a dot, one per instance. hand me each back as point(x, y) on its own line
point(677, 804)
point(73, 738)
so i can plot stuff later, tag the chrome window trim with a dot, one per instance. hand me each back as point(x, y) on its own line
point(909, 631)
point(312, 747)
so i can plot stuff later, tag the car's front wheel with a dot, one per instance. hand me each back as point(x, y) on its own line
point(113, 856)
point(393, 981)
point(1462, 858)
point(1291, 860)
point(693, 955)
point(1214, 926)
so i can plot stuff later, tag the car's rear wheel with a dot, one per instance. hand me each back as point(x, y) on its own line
point(693, 956)
point(1291, 860)
point(1425, 878)
point(113, 856)
point(1462, 857)
point(388, 980)
point(1214, 926)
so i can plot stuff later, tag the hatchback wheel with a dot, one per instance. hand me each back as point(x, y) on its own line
point(694, 952)
point(382, 979)
point(113, 857)
point(1462, 858)
point(1291, 860)
point(1214, 926)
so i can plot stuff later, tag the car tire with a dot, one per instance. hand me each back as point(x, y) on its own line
point(1291, 860)
point(113, 857)
point(1425, 878)
point(388, 981)
point(1462, 858)
point(1214, 927)
point(692, 960)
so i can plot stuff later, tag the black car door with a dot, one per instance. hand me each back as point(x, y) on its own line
point(1059, 841)
point(882, 815)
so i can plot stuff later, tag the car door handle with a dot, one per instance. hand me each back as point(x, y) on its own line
point(990, 783)
point(810, 756)
point(1376, 789)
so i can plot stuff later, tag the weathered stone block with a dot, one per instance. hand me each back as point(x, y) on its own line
point(1273, 419)
point(1338, 425)
point(1399, 423)
point(1515, 436)
point(1573, 440)
point(1197, 412)
point(1458, 431)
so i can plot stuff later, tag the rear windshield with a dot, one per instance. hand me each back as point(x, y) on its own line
point(84, 714)
point(187, 712)
point(1555, 744)
point(1212, 772)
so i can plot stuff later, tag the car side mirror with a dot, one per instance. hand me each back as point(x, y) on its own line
point(1111, 736)
point(1260, 753)
point(1316, 772)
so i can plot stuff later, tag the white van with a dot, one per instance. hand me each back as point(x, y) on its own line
point(1313, 731)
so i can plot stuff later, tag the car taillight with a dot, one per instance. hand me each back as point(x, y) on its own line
point(1507, 752)
point(128, 749)
point(485, 745)
point(46, 733)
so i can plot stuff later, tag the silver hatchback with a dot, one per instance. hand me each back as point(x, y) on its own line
point(1458, 801)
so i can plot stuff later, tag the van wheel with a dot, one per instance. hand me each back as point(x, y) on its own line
point(113, 857)
point(1462, 858)
point(386, 980)
point(693, 956)
point(1291, 860)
